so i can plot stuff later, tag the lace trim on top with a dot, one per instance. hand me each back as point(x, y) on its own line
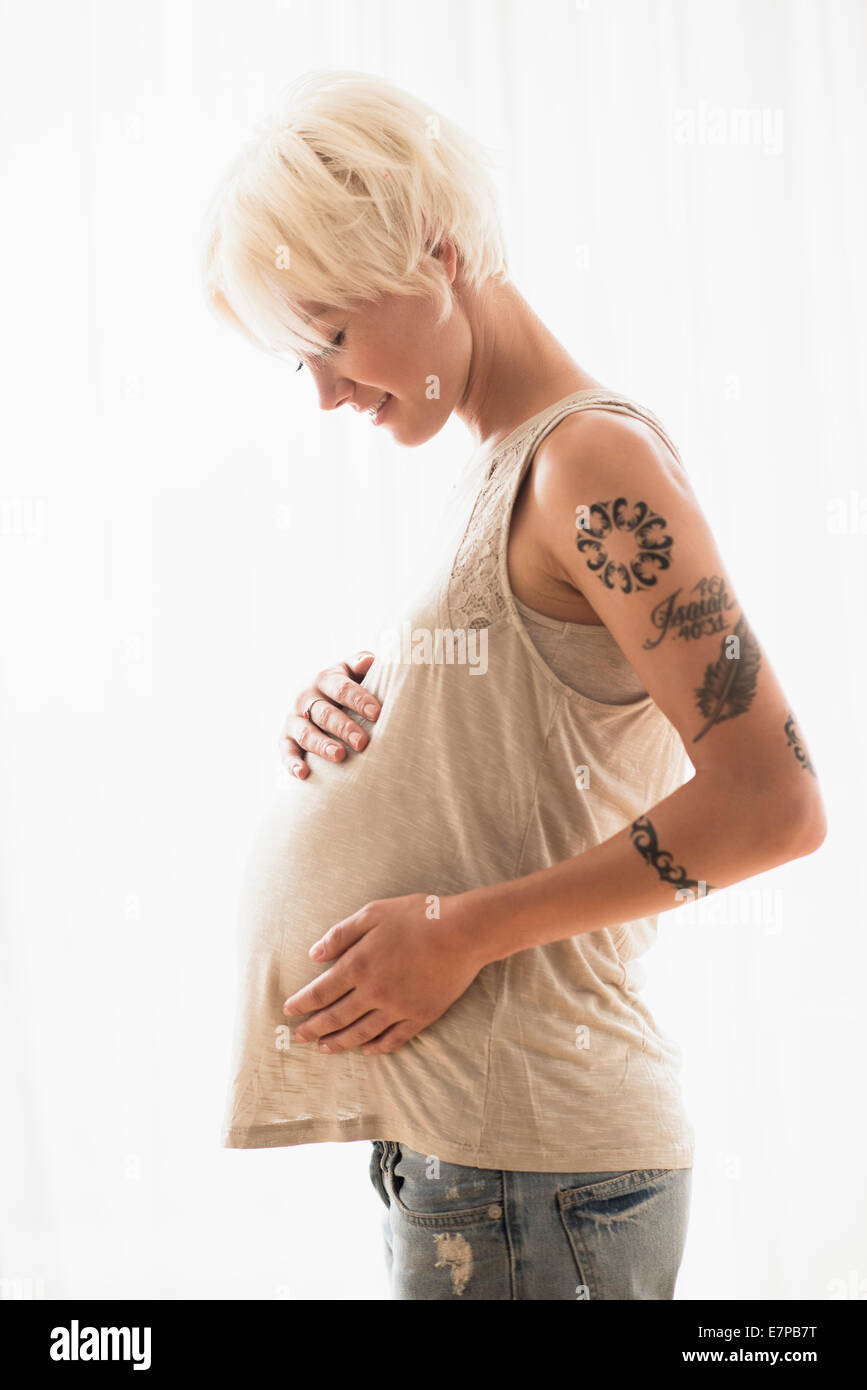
point(474, 595)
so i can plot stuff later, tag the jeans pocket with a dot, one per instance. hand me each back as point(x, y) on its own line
point(628, 1232)
point(429, 1192)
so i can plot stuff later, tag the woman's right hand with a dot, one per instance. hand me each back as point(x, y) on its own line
point(334, 687)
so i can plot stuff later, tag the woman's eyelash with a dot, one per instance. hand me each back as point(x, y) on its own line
point(335, 343)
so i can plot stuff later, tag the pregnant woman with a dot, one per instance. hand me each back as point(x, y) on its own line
point(442, 921)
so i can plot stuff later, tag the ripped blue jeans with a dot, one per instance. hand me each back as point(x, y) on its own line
point(482, 1233)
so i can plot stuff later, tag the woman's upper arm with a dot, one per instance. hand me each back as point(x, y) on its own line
point(622, 524)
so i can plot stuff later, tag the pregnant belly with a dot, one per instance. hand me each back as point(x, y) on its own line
point(326, 847)
point(347, 835)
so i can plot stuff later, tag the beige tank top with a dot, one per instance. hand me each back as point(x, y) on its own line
point(551, 1061)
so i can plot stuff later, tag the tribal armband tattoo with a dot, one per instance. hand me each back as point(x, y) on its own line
point(645, 839)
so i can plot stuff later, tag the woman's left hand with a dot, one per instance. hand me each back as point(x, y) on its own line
point(398, 969)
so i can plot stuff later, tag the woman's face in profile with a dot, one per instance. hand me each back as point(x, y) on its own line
point(392, 345)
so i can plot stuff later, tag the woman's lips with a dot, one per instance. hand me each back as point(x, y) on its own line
point(377, 415)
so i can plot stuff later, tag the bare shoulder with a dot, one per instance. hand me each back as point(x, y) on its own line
point(605, 458)
point(613, 432)
point(612, 438)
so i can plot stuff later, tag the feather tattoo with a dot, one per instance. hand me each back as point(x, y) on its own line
point(730, 682)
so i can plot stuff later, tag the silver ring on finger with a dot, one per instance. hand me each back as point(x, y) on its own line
point(308, 716)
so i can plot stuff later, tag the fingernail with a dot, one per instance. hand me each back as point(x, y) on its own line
point(356, 740)
point(371, 711)
point(323, 1047)
point(331, 749)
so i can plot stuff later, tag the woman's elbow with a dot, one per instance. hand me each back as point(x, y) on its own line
point(809, 825)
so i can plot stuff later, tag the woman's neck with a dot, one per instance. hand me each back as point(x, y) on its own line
point(517, 366)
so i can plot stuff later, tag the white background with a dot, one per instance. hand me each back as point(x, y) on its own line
point(185, 539)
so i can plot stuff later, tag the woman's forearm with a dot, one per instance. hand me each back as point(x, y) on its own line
point(712, 832)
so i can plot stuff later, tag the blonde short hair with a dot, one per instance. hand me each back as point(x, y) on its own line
point(341, 195)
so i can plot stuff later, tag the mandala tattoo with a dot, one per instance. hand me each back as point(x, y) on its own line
point(645, 839)
point(641, 528)
point(796, 743)
point(729, 682)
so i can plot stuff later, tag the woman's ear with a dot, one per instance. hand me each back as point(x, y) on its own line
point(446, 253)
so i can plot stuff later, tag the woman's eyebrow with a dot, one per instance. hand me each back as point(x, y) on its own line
point(319, 309)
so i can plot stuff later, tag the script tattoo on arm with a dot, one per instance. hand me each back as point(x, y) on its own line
point(730, 682)
point(796, 743)
point(694, 617)
point(646, 841)
point(625, 545)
